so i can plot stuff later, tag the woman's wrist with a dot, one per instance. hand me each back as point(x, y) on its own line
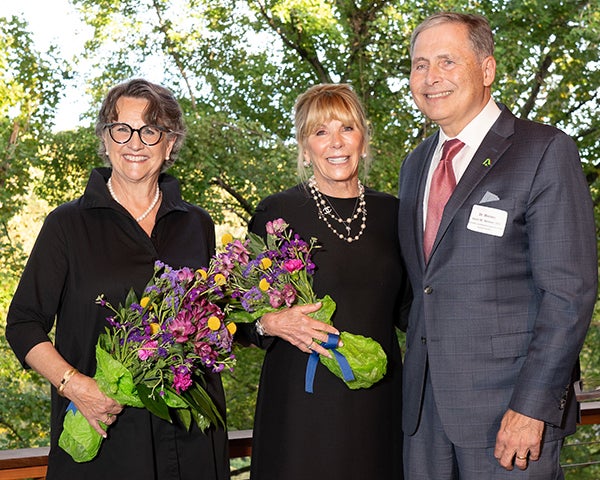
point(66, 378)
point(260, 328)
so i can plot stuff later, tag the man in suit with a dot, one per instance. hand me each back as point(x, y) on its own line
point(504, 287)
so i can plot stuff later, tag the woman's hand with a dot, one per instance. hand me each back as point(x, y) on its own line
point(296, 327)
point(96, 407)
point(82, 390)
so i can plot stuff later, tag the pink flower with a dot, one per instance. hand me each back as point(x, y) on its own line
point(239, 252)
point(203, 350)
point(185, 274)
point(182, 381)
point(289, 294)
point(276, 227)
point(148, 350)
point(275, 298)
point(293, 265)
point(181, 328)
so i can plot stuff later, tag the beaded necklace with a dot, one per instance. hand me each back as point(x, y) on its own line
point(327, 211)
point(157, 196)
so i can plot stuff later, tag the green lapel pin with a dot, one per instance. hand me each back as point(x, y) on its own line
point(487, 162)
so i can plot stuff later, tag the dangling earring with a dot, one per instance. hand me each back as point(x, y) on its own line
point(306, 163)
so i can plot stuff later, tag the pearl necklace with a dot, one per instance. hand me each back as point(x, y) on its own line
point(157, 196)
point(326, 209)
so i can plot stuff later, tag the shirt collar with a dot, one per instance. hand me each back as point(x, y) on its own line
point(96, 193)
point(476, 130)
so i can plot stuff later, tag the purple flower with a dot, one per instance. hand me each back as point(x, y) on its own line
point(113, 322)
point(136, 307)
point(100, 300)
point(251, 297)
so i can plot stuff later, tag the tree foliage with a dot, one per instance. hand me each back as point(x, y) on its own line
point(239, 66)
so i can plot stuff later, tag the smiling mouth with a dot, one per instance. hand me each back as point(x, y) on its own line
point(438, 95)
point(135, 158)
point(337, 160)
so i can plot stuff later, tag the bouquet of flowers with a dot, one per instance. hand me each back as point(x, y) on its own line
point(154, 353)
point(262, 277)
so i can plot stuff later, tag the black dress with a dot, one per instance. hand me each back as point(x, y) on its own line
point(91, 246)
point(335, 433)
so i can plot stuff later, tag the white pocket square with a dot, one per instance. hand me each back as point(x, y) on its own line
point(489, 197)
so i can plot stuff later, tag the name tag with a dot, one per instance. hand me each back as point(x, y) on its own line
point(490, 221)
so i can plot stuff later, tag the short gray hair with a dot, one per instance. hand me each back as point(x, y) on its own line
point(480, 32)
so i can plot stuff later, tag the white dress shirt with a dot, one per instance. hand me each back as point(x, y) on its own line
point(472, 136)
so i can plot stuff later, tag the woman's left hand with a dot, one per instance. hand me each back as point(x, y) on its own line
point(296, 327)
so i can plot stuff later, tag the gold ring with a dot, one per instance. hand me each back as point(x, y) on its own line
point(522, 458)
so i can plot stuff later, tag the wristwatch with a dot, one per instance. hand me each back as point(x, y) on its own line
point(259, 328)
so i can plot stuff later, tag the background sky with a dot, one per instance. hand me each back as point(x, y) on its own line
point(55, 22)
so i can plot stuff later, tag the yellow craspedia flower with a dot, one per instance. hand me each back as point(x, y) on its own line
point(202, 273)
point(214, 323)
point(226, 238)
point(154, 328)
point(220, 279)
point(232, 327)
point(265, 263)
point(144, 302)
point(264, 285)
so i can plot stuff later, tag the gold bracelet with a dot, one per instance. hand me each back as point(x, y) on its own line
point(65, 379)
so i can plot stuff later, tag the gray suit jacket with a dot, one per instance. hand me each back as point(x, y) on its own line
point(500, 320)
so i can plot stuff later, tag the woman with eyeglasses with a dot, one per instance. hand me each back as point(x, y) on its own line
point(130, 215)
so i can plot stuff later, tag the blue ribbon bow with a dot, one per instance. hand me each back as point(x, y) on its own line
point(313, 359)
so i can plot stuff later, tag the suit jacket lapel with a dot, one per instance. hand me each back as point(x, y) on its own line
point(495, 143)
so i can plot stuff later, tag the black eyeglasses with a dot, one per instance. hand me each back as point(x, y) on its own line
point(149, 134)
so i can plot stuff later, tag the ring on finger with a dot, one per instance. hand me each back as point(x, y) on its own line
point(522, 458)
point(310, 345)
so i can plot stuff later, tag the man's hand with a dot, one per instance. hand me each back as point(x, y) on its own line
point(518, 441)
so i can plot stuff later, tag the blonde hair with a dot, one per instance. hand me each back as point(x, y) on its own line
point(322, 103)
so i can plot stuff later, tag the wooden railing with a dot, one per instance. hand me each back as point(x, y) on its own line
point(33, 462)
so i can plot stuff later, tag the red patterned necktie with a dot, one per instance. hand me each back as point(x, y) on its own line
point(442, 186)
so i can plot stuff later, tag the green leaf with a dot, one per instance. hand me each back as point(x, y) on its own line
point(154, 403)
point(200, 399)
point(202, 421)
point(256, 244)
point(185, 417)
point(242, 316)
point(131, 298)
point(173, 399)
